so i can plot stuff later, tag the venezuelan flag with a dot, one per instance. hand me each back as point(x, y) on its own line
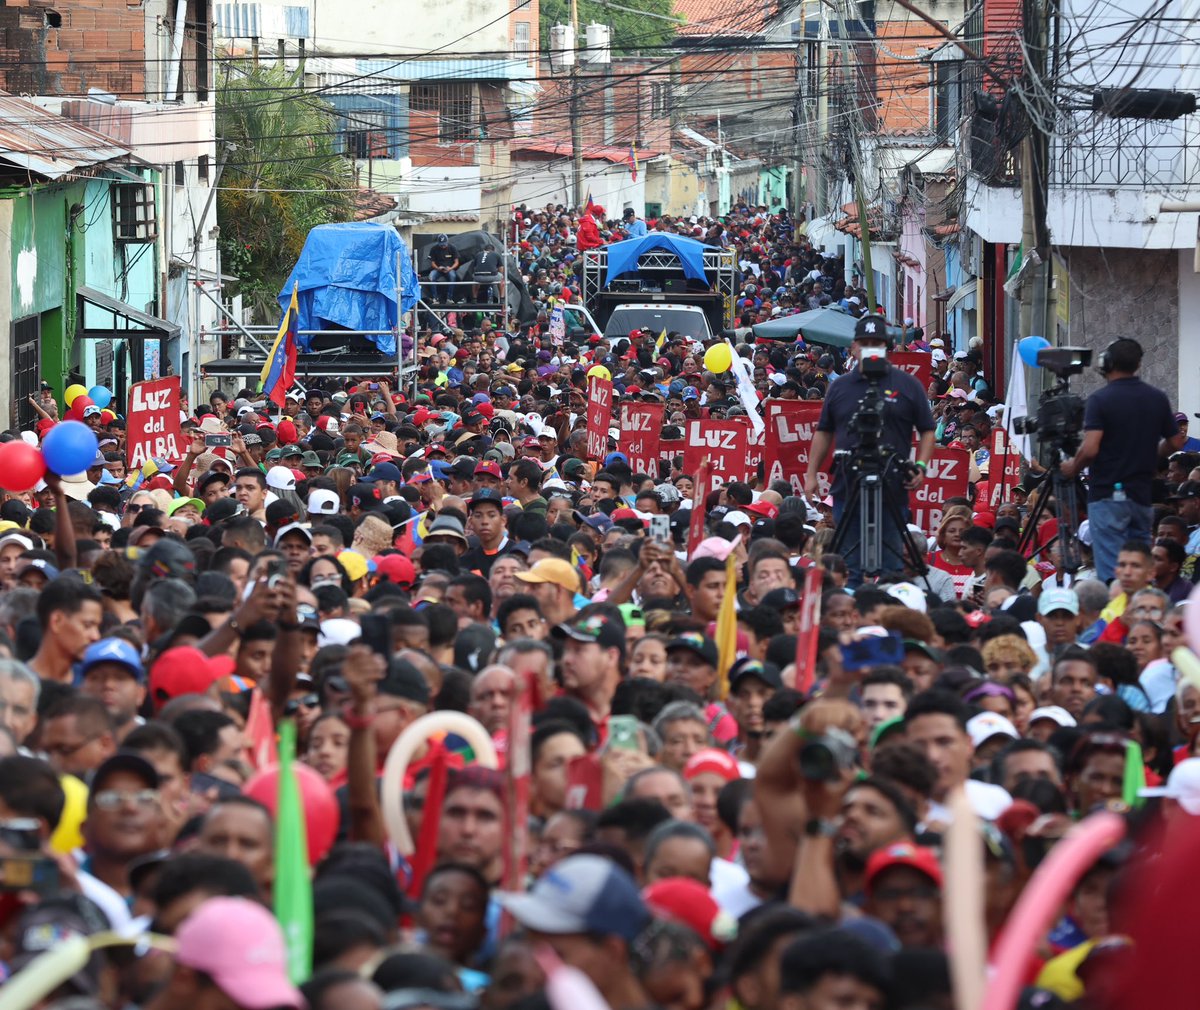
point(633, 162)
point(280, 369)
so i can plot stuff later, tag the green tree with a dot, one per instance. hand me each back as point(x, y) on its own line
point(631, 33)
point(282, 177)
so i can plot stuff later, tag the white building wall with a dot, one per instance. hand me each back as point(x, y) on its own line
point(419, 26)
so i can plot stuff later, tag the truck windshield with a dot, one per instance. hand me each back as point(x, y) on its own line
point(691, 323)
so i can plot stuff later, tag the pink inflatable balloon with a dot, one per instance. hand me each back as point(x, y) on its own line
point(1041, 900)
point(321, 813)
point(1191, 621)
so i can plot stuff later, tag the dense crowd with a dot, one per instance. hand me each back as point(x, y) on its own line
point(681, 795)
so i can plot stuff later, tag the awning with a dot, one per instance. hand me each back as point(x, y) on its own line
point(961, 292)
point(138, 324)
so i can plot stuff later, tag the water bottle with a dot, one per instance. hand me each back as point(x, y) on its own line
point(1118, 492)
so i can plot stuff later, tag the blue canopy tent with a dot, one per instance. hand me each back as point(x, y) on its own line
point(346, 276)
point(623, 256)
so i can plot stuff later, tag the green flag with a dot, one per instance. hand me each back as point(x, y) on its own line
point(293, 886)
point(1135, 775)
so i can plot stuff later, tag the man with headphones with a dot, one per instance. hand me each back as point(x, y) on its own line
point(1127, 426)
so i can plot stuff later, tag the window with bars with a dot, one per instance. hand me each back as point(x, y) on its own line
point(134, 219)
point(366, 136)
point(522, 37)
point(450, 105)
point(660, 99)
point(26, 369)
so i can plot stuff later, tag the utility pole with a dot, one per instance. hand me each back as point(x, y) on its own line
point(576, 125)
point(1037, 316)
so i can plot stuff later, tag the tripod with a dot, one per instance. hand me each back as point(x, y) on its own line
point(868, 488)
point(1065, 491)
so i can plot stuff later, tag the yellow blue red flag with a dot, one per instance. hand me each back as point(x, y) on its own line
point(280, 369)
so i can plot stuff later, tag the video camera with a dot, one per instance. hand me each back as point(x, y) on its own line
point(1059, 418)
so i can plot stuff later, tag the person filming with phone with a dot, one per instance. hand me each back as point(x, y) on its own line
point(872, 410)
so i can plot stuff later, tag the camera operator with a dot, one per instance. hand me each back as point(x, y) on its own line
point(904, 408)
point(1127, 426)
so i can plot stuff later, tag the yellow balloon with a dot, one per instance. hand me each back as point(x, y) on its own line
point(74, 391)
point(600, 372)
point(718, 358)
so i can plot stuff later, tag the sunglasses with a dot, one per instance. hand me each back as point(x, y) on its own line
point(308, 701)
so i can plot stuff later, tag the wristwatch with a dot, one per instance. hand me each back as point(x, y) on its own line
point(820, 827)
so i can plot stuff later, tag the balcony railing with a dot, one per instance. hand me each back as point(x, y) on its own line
point(1094, 151)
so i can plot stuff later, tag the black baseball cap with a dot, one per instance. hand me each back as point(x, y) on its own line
point(365, 496)
point(780, 599)
point(747, 668)
point(486, 496)
point(1188, 489)
point(699, 644)
point(124, 761)
point(606, 633)
point(871, 328)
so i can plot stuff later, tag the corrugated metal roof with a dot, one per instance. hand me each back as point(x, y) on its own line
point(48, 144)
point(449, 69)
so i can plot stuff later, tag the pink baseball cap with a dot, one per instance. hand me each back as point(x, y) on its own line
point(240, 946)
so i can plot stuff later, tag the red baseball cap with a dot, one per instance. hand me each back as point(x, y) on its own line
point(531, 443)
point(920, 858)
point(421, 415)
point(986, 520)
point(182, 670)
point(623, 513)
point(763, 508)
point(714, 762)
point(395, 568)
point(690, 903)
point(488, 467)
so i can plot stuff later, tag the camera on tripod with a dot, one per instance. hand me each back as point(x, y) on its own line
point(1059, 419)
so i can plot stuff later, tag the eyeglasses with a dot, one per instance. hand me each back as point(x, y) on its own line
point(115, 799)
point(308, 701)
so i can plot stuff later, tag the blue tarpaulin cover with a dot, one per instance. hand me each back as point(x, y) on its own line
point(623, 256)
point(346, 274)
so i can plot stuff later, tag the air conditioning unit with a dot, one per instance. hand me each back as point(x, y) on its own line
point(562, 47)
point(599, 44)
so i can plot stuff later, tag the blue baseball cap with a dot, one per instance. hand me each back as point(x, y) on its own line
point(383, 471)
point(113, 650)
point(616, 457)
point(441, 469)
point(581, 894)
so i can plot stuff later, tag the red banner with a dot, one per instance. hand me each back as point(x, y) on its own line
point(756, 446)
point(918, 364)
point(152, 422)
point(599, 416)
point(700, 488)
point(791, 425)
point(946, 478)
point(809, 632)
point(641, 429)
point(1004, 469)
point(668, 450)
point(724, 444)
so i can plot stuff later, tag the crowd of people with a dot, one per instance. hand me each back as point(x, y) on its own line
point(722, 806)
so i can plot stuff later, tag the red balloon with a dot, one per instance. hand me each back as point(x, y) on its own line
point(78, 406)
point(321, 812)
point(22, 465)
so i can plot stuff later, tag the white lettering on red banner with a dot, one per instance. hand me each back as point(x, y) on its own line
point(599, 416)
point(724, 444)
point(918, 364)
point(946, 478)
point(791, 425)
point(641, 431)
point(152, 422)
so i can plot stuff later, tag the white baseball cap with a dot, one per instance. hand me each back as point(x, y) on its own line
point(985, 725)
point(1183, 786)
point(323, 502)
point(281, 479)
point(1054, 713)
point(909, 595)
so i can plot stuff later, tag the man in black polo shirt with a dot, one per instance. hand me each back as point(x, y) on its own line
point(1127, 426)
point(485, 519)
point(904, 409)
point(443, 259)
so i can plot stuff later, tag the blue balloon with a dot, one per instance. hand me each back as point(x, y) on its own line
point(1027, 348)
point(69, 447)
point(101, 396)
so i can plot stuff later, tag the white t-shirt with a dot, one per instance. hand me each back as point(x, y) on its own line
point(987, 800)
